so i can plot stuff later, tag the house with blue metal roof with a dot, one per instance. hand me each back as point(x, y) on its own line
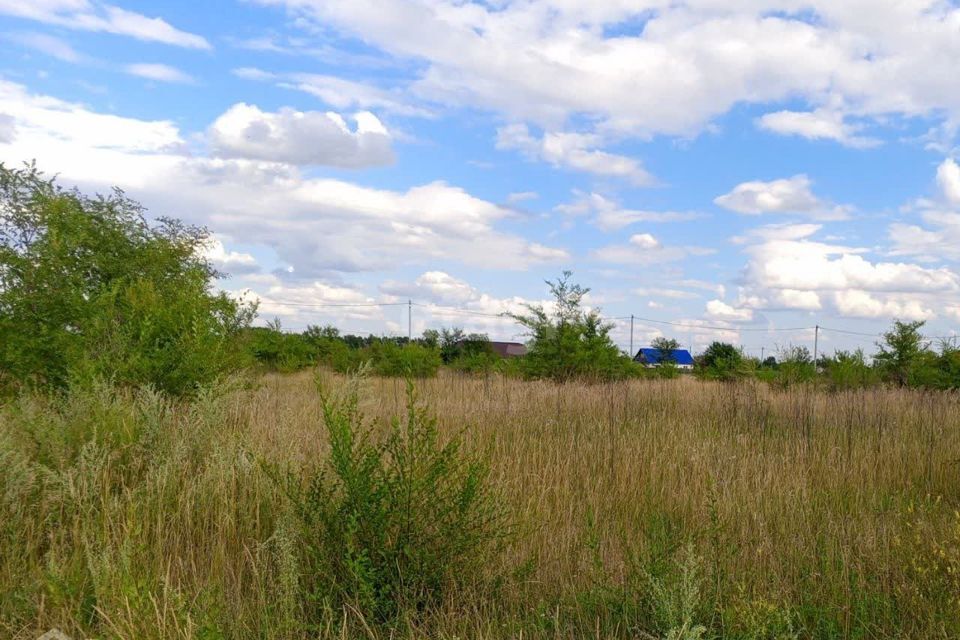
point(650, 357)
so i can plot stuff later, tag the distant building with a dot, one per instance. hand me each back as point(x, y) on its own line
point(652, 357)
point(508, 349)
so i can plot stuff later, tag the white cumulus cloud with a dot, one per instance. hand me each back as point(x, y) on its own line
point(786, 195)
point(158, 72)
point(788, 269)
point(43, 118)
point(47, 45)
point(939, 236)
point(655, 68)
point(608, 215)
point(948, 177)
point(7, 128)
point(230, 262)
point(86, 15)
point(301, 137)
point(820, 124)
point(720, 310)
point(575, 151)
point(644, 241)
point(642, 249)
point(315, 225)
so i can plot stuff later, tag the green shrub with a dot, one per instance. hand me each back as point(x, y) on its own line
point(570, 343)
point(344, 359)
point(392, 523)
point(509, 367)
point(657, 593)
point(849, 370)
point(455, 345)
point(759, 619)
point(931, 370)
point(406, 361)
point(721, 361)
point(322, 340)
point(282, 351)
point(482, 362)
point(667, 370)
point(89, 289)
point(903, 349)
point(795, 367)
point(387, 358)
point(948, 364)
point(677, 600)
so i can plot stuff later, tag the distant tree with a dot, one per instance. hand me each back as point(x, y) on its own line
point(456, 345)
point(797, 354)
point(568, 341)
point(770, 362)
point(322, 341)
point(430, 338)
point(902, 349)
point(848, 370)
point(277, 349)
point(717, 352)
point(326, 332)
point(721, 361)
point(357, 342)
point(89, 288)
point(795, 366)
point(948, 366)
point(665, 348)
point(408, 359)
point(450, 343)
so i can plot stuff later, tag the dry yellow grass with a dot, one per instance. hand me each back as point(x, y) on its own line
point(808, 514)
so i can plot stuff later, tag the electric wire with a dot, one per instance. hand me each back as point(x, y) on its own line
point(641, 319)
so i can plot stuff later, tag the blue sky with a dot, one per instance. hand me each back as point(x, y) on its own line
point(739, 169)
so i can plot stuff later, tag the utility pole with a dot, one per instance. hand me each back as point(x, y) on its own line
point(761, 355)
point(816, 341)
point(409, 320)
point(631, 335)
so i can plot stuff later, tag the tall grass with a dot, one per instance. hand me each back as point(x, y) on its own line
point(646, 508)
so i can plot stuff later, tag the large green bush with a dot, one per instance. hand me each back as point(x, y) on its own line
point(465, 352)
point(906, 358)
point(387, 358)
point(455, 344)
point(721, 361)
point(282, 351)
point(901, 352)
point(849, 370)
point(795, 367)
point(479, 362)
point(391, 523)
point(89, 288)
point(409, 360)
point(569, 342)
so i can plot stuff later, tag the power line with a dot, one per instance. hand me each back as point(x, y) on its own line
point(881, 335)
point(853, 333)
point(435, 307)
point(333, 304)
point(506, 316)
point(691, 325)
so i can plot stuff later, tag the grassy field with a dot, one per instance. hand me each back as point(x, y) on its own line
point(641, 509)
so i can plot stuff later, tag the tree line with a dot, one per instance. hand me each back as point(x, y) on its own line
point(91, 290)
point(903, 358)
